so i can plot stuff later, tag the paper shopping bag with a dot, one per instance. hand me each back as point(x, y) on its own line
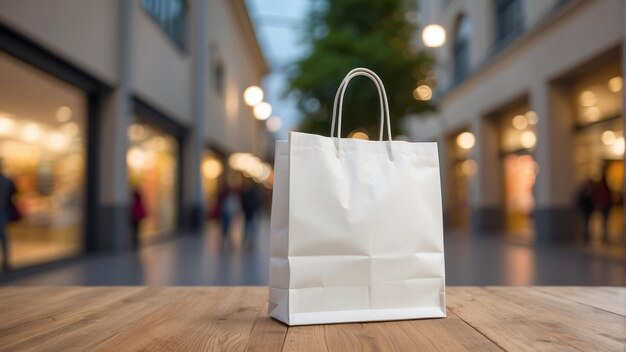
point(356, 227)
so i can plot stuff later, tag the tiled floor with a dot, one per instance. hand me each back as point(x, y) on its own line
point(205, 260)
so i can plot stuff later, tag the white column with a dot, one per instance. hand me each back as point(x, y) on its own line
point(193, 195)
point(113, 219)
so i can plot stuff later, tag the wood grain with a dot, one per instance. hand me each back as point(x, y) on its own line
point(235, 319)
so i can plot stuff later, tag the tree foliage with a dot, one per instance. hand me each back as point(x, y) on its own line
point(344, 34)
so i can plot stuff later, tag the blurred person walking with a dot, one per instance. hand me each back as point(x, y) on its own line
point(227, 206)
point(603, 201)
point(584, 201)
point(8, 213)
point(137, 214)
point(250, 204)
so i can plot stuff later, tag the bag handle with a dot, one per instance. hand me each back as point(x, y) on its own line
point(384, 106)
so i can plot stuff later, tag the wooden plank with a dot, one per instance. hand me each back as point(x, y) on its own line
point(201, 319)
point(305, 338)
point(267, 334)
point(524, 325)
point(611, 299)
point(97, 322)
point(589, 323)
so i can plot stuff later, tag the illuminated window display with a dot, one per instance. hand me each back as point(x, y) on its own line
point(599, 144)
point(212, 169)
point(42, 147)
point(518, 139)
point(463, 168)
point(152, 159)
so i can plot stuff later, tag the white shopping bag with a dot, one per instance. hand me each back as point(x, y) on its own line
point(356, 227)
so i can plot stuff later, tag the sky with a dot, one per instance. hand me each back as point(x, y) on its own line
point(278, 25)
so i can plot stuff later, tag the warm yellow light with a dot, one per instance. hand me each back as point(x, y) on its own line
point(63, 114)
point(7, 126)
point(588, 98)
point(619, 146)
point(528, 139)
point(135, 158)
point(253, 95)
point(31, 132)
point(359, 135)
point(136, 132)
point(433, 36)
point(468, 167)
point(519, 122)
point(615, 84)
point(57, 141)
point(212, 168)
point(592, 113)
point(262, 111)
point(70, 129)
point(531, 117)
point(423, 92)
point(465, 140)
point(608, 137)
point(274, 124)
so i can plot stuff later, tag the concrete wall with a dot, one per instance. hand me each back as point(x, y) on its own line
point(83, 32)
point(231, 123)
point(161, 72)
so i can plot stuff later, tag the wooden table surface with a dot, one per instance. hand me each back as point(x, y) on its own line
point(235, 318)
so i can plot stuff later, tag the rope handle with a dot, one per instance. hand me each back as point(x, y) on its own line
point(384, 106)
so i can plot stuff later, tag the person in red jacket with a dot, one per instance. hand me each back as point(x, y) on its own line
point(137, 213)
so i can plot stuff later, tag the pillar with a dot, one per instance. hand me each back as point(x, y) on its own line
point(113, 233)
point(193, 195)
point(554, 213)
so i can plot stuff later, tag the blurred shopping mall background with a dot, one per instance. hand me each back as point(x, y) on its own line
point(157, 118)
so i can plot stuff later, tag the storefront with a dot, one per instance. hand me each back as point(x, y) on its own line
point(43, 148)
point(153, 160)
point(519, 170)
point(599, 149)
point(462, 168)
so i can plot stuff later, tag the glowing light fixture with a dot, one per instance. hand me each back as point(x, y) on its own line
point(7, 126)
point(528, 139)
point(619, 146)
point(519, 122)
point(274, 124)
point(465, 140)
point(262, 111)
point(211, 168)
point(423, 92)
point(608, 137)
point(433, 36)
point(135, 158)
point(359, 135)
point(531, 117)
point(253, 95)
point(63, 114)
point(588, 98)
point(592, 113)
point(615, 84)
point(31, 132)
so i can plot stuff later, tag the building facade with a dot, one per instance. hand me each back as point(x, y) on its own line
point(106, 102)
point(530, 110)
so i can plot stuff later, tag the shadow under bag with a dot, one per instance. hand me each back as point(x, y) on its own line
point(356, 226)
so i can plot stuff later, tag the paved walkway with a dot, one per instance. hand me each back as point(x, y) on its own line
point(206, 260)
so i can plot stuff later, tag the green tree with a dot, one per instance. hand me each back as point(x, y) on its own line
point(344, 34)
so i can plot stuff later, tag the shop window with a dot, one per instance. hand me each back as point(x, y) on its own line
point(518, 139)
point(463, 167)
point(42, 149)
point(599, 147)
point(461, 49)
point(171, 15)
point(153, 170)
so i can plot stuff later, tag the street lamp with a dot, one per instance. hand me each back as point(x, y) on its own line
point(433, 36)
point(253, 95)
